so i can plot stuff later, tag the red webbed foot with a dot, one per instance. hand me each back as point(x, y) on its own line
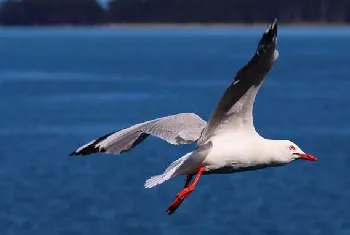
point(185, 192)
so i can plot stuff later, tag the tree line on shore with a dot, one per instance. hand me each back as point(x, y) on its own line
point(90, 12)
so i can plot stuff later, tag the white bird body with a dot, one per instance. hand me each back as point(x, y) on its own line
point(227, 143)
point(235, 152)
point(230, 153)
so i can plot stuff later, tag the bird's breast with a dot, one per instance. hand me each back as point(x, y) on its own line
point(232, 156)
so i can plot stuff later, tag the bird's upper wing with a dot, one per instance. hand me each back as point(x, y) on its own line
point(235, 108)
point(181, 128)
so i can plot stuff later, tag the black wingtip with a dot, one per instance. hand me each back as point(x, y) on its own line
point(268, 38)
point(74, 154)
point(274, 27)
point(88, 150)
point(275, 22)
point(91, 147)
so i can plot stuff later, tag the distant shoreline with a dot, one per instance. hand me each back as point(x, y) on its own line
point(112, 25)
point(180, 25)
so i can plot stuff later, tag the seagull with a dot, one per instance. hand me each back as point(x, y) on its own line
point(227, 143)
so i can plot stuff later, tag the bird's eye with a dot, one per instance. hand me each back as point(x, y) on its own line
point(291, 147)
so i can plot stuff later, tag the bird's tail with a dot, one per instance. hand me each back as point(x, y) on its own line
point(171, 171)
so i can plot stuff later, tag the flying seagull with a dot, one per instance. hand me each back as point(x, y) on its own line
point(228, 143)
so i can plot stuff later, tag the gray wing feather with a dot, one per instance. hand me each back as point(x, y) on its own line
point(181, 128)
point(235, 107)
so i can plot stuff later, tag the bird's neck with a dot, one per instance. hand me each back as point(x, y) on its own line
point(271, 151)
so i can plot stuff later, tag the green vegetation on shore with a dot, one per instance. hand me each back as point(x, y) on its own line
point(90, 12)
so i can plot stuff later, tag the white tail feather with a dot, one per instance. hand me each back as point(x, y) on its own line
point(170, 172)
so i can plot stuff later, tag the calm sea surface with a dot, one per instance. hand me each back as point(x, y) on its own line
point(60, 88)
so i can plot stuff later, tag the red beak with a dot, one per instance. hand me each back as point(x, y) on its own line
point(305, 156)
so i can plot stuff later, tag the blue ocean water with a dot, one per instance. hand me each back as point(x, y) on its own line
point(60, 88)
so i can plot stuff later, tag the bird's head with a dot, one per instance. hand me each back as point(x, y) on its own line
point(289, 151)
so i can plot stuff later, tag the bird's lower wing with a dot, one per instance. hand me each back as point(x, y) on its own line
point(183, 128)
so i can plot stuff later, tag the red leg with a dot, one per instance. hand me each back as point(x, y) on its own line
point(188, 180)
point(180, 197)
